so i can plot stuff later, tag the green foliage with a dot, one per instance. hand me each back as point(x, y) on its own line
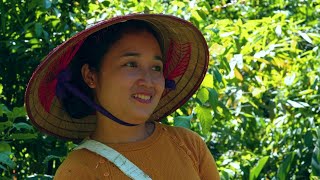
point(183, 121)
point(255, 171)
point(12, 130)
point(285, 166)
point(315, 163)
point(258, 107)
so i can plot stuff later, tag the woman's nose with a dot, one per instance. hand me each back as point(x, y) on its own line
point(146, 78)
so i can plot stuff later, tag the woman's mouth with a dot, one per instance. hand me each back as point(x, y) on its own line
point(143, 98)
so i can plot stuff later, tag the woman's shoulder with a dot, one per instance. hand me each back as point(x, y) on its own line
point(195, 147)
point(182, 134)
point(81, 156)
point(77, 165)
point(177, 130)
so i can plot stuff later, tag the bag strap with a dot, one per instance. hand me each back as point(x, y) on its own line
point(125, 165)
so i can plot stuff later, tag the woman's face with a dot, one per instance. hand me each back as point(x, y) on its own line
point(130, 81)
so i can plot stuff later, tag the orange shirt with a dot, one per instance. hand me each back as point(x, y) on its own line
point(169, 153)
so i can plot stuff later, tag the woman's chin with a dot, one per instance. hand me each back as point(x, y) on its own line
point(138, 119)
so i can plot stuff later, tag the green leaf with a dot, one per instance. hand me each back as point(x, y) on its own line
point(38, 29)
point(57, 12)
point(285, 166)
point(213, 98)
point(5, 147)
point(183, 121)
point(46, 35)
point(304, 92)
point(297, 104)
point(50, 157)
point(278, 30)
point(308, 139)
point(217, 49)
point(225, 65)
point(22, 125)
point(202, 14)
point(203, 95)
point(255, 171)
point(205, 117)
point(196, 15)
point(1, 88)
point(225, 175)
point(315, 83)
point(3, 109)
point(207, 5)
point(289, 79)
point(217, 75)
point(17, 112)
point(5, 159)
point(22, 136)
point(305, 37)
point(315, 162)
point(208, 81)
point(5, 125)
point(106, 3)
point(32, 5)
point(46, 4)
point(2, 167)
point(226, 34)
point(237, 60)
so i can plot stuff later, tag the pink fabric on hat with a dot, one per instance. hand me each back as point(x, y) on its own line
point(47, 88)
point(171, 70)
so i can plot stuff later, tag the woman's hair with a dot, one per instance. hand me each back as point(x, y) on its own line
point(92, 52)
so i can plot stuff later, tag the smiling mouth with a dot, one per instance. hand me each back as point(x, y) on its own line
point(142, 97)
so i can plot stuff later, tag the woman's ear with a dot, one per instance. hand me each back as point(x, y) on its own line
point(89, 76)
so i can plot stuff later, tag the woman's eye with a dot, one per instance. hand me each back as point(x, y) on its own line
point(157, 68)
point(131, 64)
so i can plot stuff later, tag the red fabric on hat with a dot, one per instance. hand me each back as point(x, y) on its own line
point(177, 63)
point(47, 87)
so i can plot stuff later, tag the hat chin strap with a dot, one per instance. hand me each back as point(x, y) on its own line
point(97, 107)
point(64, 85)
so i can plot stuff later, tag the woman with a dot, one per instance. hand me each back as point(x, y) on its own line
point(109, 85)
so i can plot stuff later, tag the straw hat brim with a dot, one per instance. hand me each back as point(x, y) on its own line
point(56, 121)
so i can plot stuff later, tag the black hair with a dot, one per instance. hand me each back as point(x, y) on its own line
point(92, 52)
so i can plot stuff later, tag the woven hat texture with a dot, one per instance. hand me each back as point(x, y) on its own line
point(183, 44)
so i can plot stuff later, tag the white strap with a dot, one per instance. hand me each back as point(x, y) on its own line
point(125, 165)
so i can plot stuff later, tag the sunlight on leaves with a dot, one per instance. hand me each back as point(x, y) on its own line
point(183, 121)
point(203, 95)
point(297, 104)
point(305, 37)
point(289, 79)
point(208, 81)
point(255, 171)
point(205, 117)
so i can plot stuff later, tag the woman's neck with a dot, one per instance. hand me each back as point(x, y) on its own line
point(108, 131)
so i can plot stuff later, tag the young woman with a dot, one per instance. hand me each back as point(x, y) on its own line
point(109, 85)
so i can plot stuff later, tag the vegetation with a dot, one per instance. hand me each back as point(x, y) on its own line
point(258, 108)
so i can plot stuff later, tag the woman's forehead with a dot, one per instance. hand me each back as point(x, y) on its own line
point(135, 45)
point(135, 41)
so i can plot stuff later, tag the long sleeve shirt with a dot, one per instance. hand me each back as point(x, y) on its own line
point(169, 153)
